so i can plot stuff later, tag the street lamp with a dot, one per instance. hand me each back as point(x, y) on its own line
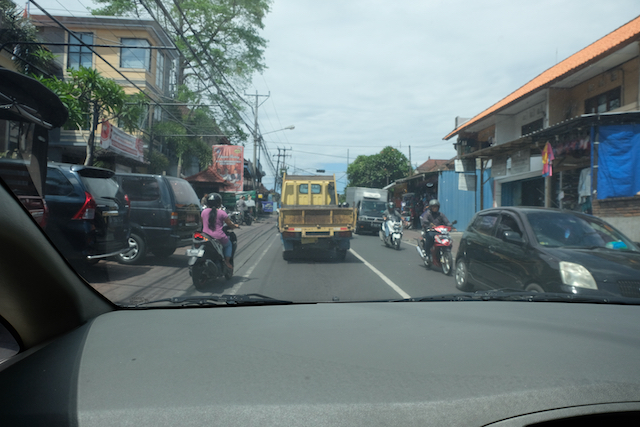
point(255, 151)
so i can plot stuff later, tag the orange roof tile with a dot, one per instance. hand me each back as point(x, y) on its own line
point(590, 54)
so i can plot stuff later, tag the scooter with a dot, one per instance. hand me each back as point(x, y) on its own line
point(395, 233)
point(236, 218)
point(440, 256)
point(207, 258)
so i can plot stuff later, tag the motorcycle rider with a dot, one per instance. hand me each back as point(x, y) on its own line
point(213, 219)
point(432, 217)
point(389, 214)
point(241, 206)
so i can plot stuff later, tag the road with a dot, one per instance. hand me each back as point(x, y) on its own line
point(370, 271)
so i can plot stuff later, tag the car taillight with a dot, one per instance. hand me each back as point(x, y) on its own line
point(127, 201)
point(174, 218)
point(45, 214)
point(88, 209)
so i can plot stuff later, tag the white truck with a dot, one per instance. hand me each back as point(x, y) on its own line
point(369, 203)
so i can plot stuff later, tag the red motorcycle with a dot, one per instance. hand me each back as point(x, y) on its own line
point(440, 250)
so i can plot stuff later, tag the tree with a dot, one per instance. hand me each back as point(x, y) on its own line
point(28, 58)
point(92, 99)
point(378, 170)
point(219, 46)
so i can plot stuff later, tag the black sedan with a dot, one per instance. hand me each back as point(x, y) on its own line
point(546, 250)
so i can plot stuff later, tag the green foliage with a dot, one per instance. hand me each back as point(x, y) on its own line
point(92, 99)
point(14, 27)
point(220, 49)
point(378, 170)
point(158, 162)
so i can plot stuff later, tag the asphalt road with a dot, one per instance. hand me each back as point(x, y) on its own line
point(370, 271)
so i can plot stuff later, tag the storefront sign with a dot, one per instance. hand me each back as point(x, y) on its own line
point(118, 141)
point(267, 206)
point(228, 161)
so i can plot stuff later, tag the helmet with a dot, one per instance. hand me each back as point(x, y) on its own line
point(390, 205)
point(214, 200)
point(434, 202)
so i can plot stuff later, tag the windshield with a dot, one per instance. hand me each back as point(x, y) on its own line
point(255, 145)
point(566, 230)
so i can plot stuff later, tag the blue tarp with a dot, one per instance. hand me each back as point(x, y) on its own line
point(619, 161)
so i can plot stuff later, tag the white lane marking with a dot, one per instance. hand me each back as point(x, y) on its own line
point(237, 286)
point(388, 281)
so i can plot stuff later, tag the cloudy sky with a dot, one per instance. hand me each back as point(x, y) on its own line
point(354, 76)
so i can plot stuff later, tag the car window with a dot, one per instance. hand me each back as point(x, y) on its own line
point(142, 189)
point(508, 223)
point(57, 184)
point(483, 224)
point(101, 187)
point(183, 192)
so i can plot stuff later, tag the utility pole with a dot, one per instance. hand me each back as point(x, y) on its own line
point(278, 168)
point(256, 138)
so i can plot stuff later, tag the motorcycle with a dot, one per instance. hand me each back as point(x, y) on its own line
point(440, 256)
point(237, 218)
point(395, 233)
point(207, 258)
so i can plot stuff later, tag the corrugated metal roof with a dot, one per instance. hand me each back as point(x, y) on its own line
point(590, 54)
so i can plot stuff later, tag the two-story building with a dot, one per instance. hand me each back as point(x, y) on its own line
point(138, 54)
point(569, 138)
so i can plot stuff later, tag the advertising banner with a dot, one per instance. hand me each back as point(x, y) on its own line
point(267, 206)
point(118, 141)
point(228, 161)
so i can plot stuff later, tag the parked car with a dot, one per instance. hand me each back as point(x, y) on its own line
point(88, 213)
point(165, 211)
point(16, 174)
point(547, 250)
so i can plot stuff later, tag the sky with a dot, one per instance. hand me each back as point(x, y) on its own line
point(355, 76)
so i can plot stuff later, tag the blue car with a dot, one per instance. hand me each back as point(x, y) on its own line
point(88, 212)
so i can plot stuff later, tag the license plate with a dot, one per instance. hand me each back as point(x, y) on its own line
point(191, 219)
point(195, 252)
point(307, 240)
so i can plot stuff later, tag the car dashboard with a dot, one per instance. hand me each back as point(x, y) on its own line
point(355, 364)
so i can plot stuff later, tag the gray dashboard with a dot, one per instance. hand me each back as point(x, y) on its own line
point(437, 363)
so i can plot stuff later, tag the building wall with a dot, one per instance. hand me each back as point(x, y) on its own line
point(460, 205)
point(623, 213)
point(568, 103)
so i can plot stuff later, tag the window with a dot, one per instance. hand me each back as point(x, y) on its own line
point(141, 189)
point(160, 71)
point(57, 184)
point(79, 55)
point(508, 223)
point(135, 56)
point(604, 102)
point(315, 189)
point(484, 223)
point(532, 127)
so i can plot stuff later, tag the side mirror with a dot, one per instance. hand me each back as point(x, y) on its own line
point(455, 221)
point(512, 237)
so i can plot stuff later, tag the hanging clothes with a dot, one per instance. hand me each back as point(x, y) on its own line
point(547, 160)
point(584, 185)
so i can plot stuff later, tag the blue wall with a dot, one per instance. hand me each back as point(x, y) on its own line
point(462, 205)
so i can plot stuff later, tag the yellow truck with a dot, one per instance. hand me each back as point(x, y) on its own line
point(310, 218)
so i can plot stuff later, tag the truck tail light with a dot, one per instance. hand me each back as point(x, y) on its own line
point(174, 219)
point(343, 234)
point(88, 209)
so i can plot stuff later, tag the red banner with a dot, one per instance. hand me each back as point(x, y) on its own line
point(116, 140)
point(228, 161)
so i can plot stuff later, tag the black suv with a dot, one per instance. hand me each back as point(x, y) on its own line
point(88, 213)
point(165, 212)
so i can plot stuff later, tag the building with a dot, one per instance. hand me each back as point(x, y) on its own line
point(569, 138)
point(138, 54)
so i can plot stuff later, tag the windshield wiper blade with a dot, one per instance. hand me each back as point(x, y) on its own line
point(523, 296)
point(215, 300)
